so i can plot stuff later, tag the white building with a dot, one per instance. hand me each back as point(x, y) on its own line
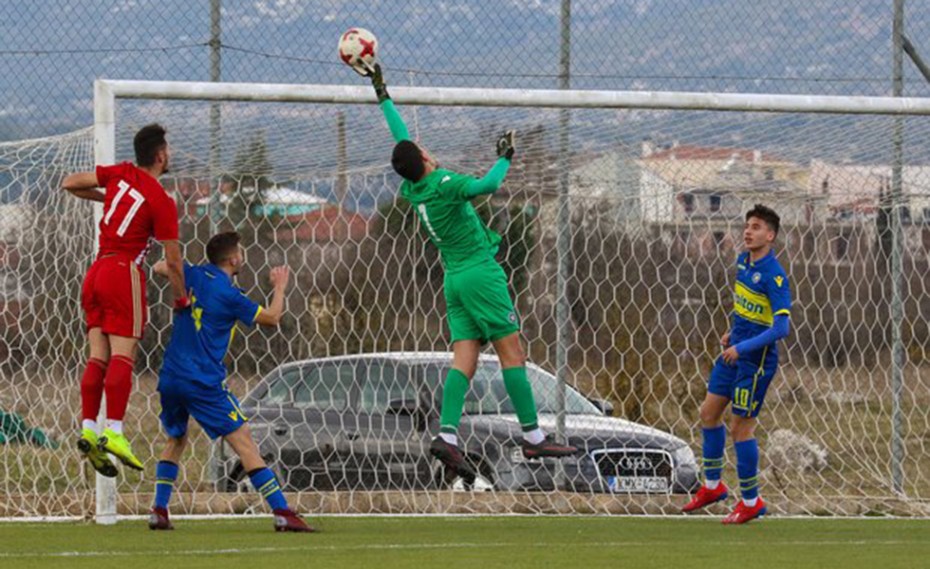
point(277, 201)
point(14, 220)
point(690, 183)
point(855, 191)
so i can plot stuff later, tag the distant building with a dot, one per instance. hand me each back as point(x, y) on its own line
point(855, 191)
point(688, 183)
point(284, 202)
point(329, 224)
point(683, 184)
point(688, 196)
point(15, 220)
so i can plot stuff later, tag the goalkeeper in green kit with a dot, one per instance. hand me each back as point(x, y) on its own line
point(479, 306)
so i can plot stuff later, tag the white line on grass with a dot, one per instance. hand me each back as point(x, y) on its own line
point(464, 517)
point(426, 546)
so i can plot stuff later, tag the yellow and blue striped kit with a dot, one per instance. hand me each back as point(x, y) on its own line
point(761, 293)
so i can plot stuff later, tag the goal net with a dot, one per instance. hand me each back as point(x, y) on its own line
point(621, 217)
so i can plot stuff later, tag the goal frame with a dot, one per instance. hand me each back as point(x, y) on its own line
point(107, 92)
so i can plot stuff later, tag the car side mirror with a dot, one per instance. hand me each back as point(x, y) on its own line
point(605, 407)
point(413, 408)
point(403, 406)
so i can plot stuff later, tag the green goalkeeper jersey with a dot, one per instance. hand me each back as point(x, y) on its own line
point(442, 200)
point(449, 219)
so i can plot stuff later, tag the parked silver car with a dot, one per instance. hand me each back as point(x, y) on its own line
point(366, 421)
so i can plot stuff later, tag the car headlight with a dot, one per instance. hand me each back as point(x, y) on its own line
point(515, 454)
point(684, 456)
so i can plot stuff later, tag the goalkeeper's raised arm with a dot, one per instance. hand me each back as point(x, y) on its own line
point(491, 182)
point(410, 153)
point(394, 120)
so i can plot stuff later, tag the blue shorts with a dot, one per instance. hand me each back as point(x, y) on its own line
point(214, 407)
point(745, 383)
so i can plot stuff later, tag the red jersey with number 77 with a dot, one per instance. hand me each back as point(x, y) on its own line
point(136, 209)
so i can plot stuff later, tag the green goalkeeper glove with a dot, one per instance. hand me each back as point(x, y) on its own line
point(505, 145)
point(377, 81)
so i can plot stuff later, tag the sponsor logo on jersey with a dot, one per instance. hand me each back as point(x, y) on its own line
point(749, 305)
point(752, 305)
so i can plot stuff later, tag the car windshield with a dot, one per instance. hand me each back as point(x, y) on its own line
point(329, 385)
point(314, 387)
point(488, 396)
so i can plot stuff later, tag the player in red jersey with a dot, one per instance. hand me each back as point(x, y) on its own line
point(136, 209)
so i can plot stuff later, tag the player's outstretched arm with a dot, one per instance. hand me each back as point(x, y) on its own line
point(394, 120)
point(174, 268)
point(83, 185)
point(491, 182)
point(271, 316)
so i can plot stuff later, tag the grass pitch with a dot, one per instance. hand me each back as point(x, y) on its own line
point(514, 541)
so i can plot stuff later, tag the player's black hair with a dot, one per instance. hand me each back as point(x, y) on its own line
point(221, 246)
point(767, 215)
point(147, 142)
point(407, 160)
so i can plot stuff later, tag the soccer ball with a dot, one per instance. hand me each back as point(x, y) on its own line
point(358, 49)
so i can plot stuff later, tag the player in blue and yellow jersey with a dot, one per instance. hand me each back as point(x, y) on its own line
point(478, 303)
point(192, 381)
point(742, 374)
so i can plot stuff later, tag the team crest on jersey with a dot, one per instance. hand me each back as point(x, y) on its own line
point(756, 277)
point(512, 316)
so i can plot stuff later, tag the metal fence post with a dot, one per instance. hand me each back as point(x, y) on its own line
point(897, 262)
point(563, 240)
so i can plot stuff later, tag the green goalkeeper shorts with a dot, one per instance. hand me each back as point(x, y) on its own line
point(478, 303)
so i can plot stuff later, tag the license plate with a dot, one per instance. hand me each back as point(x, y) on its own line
point(637, 483)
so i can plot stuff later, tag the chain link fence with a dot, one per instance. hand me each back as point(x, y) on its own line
point(656, 213)
point(51, 51)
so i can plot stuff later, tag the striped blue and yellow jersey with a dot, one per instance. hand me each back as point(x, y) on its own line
point(201, 336)
point(762, 292)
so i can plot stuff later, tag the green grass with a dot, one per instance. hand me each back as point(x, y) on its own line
point(386, 542)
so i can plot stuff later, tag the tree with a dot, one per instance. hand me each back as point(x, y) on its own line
point(250, 176)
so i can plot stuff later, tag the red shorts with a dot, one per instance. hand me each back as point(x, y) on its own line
point(113, 297)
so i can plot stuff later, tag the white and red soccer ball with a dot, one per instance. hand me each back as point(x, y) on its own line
point(358, 48)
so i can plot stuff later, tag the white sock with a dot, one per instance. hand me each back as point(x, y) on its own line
point(534, 437)
point(712, 484)
point(115, 426)
point(449, 438)
point(89, 424)
point(751, 502)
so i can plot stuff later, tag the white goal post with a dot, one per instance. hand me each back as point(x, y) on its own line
point(107, 94)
